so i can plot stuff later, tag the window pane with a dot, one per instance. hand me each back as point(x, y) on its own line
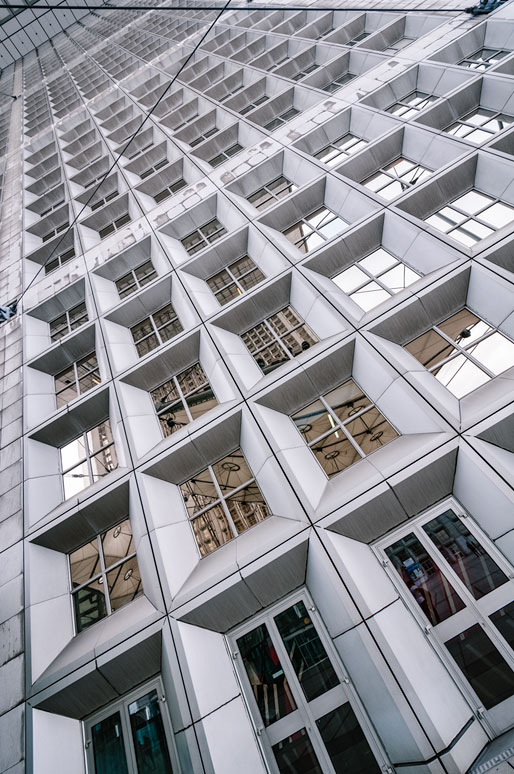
point(498, 216)
point(378, 261)
point(489, 674)
point(212, 529)
point(398, 278)
point(117, 543)
point(108, 748)
point(370, 296)
point(84, 563)
point(267, 679)
point(295, 755)
point(309, 658)
point(90, 605)
point(350, 279)
point(198, 492)
point(430, 348)
point(124, 583)
point(464, 327)
point(346, 744)
point(347, 400)
point(73, 452)
point(75, 480)
point(103, 462)
point(503, 619)
point(467, 557)
point(371, 431)
point(429, 587)
point(232, 471)
point(313, 421)
point(335, 453)
point(99, 437)
point(299, 340)
point(495, 352)
point(247, 508)
point(460, 376)
point(148, 735)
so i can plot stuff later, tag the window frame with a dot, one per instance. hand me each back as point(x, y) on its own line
point(406, 183)
point(233, 280)
point(182, 396)
point(87, 459)
point(76, 384)
point(475, 611)
point(156, 329)
point(205, 241)
point(136, 286)
point(304, 222)
point(69, 327)
point(114, 225)
point(277, 339)
point(467, 217)
point(411, 108)
point(480, 64)
point(341, 153)
point(281, 119)
point(270, 191)
point(472, 128)
point(304, 716)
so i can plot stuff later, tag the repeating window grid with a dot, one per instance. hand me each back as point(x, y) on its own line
point(170, 190)
point(480, 125)
point(466, 603)
point(115, 225)
point(235, 279)
point(471, 217)
point(88, 475)
point(77, 379)
point(203, 235)
point(278, 338)
point(156, 329)
point(71, 319)
point(150, 170)
point(483, 58)
point(253, 104)
point(459, 378)
point(340, 149)
point(271, 192)
point(281, 119)
point(350, 393)
point(135, 279)
point(336, 83)
point(225, 154)
point(201, 137)
point(375, 278)
point(193, 498)
point(409, 106)
point(178, 393)
point(101, 576)
point(55, 263)
point(315, 229)
point(396, 178)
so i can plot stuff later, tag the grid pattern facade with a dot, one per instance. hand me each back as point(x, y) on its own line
point(261, 387)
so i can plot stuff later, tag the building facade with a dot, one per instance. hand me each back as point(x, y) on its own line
point(256, 446)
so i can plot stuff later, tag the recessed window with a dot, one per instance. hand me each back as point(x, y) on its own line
point(480, 125)
point(269, 194)
point(77, 379)
point(225, 154)
point(100, 202)
point(357, 39)
point(463, 352)
point(396, 178)
point(278, 338)
point(304, 72)
point(223, 501)
point(104, 575)
point(150, 170)
point(114, 226)
point(69, 321)
point(201, 137)
point(342, 427)
point(183, 398)
point(135, 279)
point(411, 104)
point(235, 279)
point(88, 458)
point(336, 84)
point(59, 260)
point(484, 58)
point(315, 229)
point(55, 231)
point(203, 236)
point(337, 151)
point(289, 674)
point(131, 736)
point(254, 104)
point(170, 189)
point(471, 217)
point(156, 329)
point(374, 279)
point(281, 119)
point(455, 579)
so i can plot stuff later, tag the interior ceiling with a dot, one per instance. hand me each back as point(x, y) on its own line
point(23, 30)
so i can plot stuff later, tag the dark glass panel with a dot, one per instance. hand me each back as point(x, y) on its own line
point(346, 744)
point(148, 736)
point(108, 748)
point(295, 755)
point(503, 619)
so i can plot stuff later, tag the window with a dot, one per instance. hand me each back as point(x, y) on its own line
point(410, 105)
point(69, 321)
point(278, 338)
point(338, 82)
point(203, 236)
point(296, 688)
point(59, 260)
point(183, 398)
point(131, 736)
point(396, 178)
point(104, 575)
point(225, 154)
point(304, 71)
point(337, 151)
point(313, 230)
point(255, 103)
point(170, 189)
point(480, 125)
point(100, 202)
point(281, 119)
point(115, 225)
point(201, 137)
point(88, 458)
point(77, 379)
point(471, 217)
point(483, 58)
point(55, 231)
point(463, 352)
point(357, 39)
point(375, 279)
point(342, 427)
point(458, 583)
point(150, 170)
point(235, 279)
point(135, 279)
point(155, 329)
point(223, 501)
point(272, 192)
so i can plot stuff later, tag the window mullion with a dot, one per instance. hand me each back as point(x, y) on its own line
point(182, 398)
point(104, 574)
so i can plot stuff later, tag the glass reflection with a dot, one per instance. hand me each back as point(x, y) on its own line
point(295, 755)
point(148, 735)
point(346, 744)
point(108, 747)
